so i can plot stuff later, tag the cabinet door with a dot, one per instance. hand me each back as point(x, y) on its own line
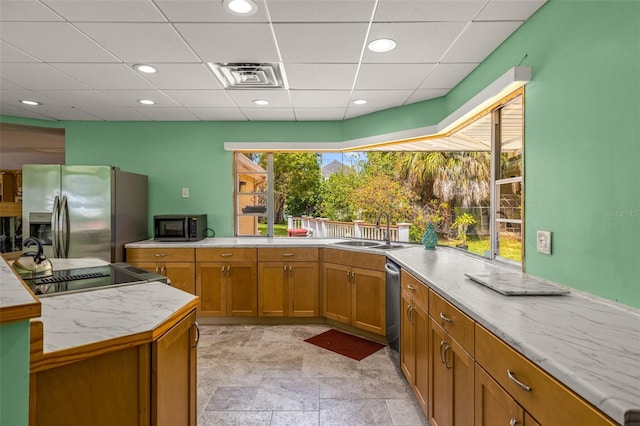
point(407, 339)
point(337, 292)
point(211, 286)
point(440, 383)
point(494, 406)
point(242, 289)
point(303, 289)
point(462, 370)
point(273, 289)
point(368, 303)
point(182, 275)
point(173, 389)
point(421, 347)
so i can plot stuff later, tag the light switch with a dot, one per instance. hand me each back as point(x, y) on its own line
point(543, 241)
point(185, 192)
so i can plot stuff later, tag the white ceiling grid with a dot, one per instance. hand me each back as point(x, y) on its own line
point(77, 56)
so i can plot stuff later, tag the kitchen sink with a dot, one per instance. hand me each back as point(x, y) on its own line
point(369, 244)
point(358, 243)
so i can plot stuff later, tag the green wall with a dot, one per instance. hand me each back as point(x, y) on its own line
point(581, 144)
point(14, 373)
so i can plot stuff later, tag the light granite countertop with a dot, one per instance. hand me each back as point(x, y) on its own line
point(16, 301)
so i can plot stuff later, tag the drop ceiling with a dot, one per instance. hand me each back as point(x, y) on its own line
point(77, 57)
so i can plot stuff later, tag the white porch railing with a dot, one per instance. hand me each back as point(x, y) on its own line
point(325, 228)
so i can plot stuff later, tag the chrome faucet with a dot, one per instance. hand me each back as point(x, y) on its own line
point(387, 236)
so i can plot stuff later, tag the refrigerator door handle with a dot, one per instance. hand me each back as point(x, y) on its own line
point(64, 228)
point(55, 216)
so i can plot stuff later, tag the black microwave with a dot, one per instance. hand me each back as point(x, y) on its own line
point(179, 227)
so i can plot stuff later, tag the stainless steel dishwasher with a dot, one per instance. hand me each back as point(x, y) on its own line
point(393, 305)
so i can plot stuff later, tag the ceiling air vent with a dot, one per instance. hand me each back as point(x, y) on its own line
point(249, 75)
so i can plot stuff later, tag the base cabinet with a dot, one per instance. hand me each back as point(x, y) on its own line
point(177, 264)
point(226, 281)
point(149, 384)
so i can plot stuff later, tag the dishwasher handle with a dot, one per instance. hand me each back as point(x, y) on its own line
point(392, 269)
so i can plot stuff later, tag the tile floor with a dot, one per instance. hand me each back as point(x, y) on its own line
point(268, 375)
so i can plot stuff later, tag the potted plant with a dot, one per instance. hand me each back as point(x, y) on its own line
point(462, 222)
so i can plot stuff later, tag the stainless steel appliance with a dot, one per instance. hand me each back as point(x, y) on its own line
point(393, 305)
point(179, 227)
point(93, 278)
point(84, 211)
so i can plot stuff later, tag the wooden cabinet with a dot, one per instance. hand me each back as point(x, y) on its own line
point(451, 365)
point(174, 382)
point(288, 282)
point(414, 337)
point(177, 264)
point(539, 394)
point(226, 281)
point(355, 295)
point(152, 383)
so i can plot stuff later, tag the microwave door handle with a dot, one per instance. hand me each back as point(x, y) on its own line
point(54, 226)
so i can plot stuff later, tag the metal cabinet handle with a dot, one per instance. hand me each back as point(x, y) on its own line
point(157, 269)
point(287, 254)
point(197, 339)
point(443, 346)
point(290, 268)
point(410, 287)
point(160, 254)
point(513, 422)
point(445, 318)
point(226, 254)
point(222, 269)
point(162, 270)
point(522, 386)
point(228, 268)
point(446, 358)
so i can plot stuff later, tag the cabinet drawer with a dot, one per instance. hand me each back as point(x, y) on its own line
point(361, 260)
point(288, 254)
point(456, 323)
point(160, 255)
point(225, 254)
point(418, 291)
point(548, 401)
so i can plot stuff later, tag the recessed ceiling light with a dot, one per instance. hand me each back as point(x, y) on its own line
point(241, 7)
point(146, 101)
point(147, 69)
point(360, 101)
point(261, 102)
point(382, 45)
point(30, 103)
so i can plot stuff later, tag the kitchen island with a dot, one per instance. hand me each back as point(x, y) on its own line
point(588, 344)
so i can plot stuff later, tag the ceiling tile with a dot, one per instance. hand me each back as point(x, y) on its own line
point(231, 42)
point(321, 76)
point(168, 114)
point(9, 53)
point(424, 94)
point(13, 110)
point(392, 76)
point(218, 114)
point(183, 77)
point(106, 76)
point(478, 40)
point(319, 114)
point(26, 10)
point(312, 43)
point(80, 98)
point(320, 98)
point(509, 10)
point(13, 96)
point(115, 113)
point(207, 11)
point(446, 76)
point(245, 98)
point(53, 42)
point(39, 76)
point(415, 42)
point(382, 99)
point(358, 110)
point(321, 10)
point(201, 98)
point(7, 85)
point(269, 114)
point(144, 42)
point(427, 10)
point(65, 112)
point(130, 97)
point(106, 11)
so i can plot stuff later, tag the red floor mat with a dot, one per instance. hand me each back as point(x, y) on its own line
point(345, 344)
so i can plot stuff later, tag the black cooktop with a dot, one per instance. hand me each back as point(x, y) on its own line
point(82, 279)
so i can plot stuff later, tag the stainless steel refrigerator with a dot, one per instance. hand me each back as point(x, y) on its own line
point(84, 211)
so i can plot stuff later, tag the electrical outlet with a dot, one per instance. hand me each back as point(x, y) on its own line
point(543, 241)
point(185, 192)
